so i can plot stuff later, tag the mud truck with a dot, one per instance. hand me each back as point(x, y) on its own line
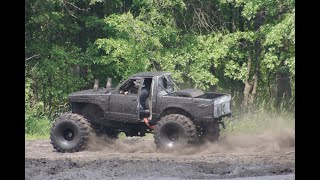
point(147, 102)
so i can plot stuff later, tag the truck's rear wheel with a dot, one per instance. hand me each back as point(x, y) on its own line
point(174, 131)
point(70, 133)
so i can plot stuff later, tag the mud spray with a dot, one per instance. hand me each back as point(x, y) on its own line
point(271, 134)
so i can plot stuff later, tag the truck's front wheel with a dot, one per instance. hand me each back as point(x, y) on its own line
point(173, 131)
point(70, 133)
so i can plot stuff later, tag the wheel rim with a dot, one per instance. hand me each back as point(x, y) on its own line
point(68, 134)
point(172, 134)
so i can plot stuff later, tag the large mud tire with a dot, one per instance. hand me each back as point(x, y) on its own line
point(174, 131)
point(70, 133)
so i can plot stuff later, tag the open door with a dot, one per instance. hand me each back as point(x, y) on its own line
point(145, 98)
point(124, 102)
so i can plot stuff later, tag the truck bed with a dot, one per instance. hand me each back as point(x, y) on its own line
point(221, 103)
point(210, 95)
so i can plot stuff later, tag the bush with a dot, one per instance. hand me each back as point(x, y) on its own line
point(37, 123)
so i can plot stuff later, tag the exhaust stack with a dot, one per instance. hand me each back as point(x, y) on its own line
point(96, 84)
point(109, 83)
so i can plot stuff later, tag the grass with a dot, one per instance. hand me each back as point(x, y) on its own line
point(36, 137)
point(37, 127)
point(122, 135)
point(261, 116)
point(259, 121)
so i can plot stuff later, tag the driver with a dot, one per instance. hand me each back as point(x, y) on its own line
point(144, 95)
point(132, 89)
point(135, 88)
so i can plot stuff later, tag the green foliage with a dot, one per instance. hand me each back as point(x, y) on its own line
point(36, 122)
point(37, 125)
point(205, 44)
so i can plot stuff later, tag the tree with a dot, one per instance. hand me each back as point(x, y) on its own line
point(244, 47)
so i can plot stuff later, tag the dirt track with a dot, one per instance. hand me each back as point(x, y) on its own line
point(137, 158)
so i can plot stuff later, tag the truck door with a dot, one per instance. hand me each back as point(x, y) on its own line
point(124, 102)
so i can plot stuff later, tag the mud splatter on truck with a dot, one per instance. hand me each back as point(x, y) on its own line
point(147, 102)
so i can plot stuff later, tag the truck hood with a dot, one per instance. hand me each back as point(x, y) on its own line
point(98, 97)
point(91, 92)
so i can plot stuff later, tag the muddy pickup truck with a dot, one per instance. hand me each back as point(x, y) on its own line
point(147, 102)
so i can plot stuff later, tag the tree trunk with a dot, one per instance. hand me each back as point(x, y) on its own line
point(44, 95)
point(241, 19)
point(283, 88)
point(34, 87)
point(255, 86)
point(256, 72)
point(50, 92)
point(230, 18)
point(247, 84)
point(269, 85)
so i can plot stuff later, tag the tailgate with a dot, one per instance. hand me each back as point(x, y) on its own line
point(222, 106)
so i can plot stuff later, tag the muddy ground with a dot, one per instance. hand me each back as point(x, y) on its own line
point(263, 156)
